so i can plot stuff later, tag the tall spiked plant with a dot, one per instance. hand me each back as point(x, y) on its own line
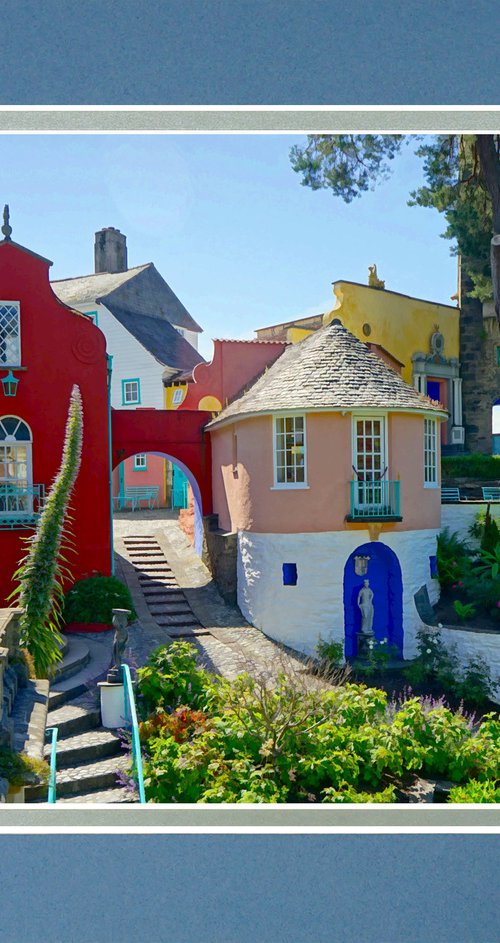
point(42, 572)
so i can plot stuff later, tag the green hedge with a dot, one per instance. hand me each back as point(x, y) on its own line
point(479, 467)
point(93, 599)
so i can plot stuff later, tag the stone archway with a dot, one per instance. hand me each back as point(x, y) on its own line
point(384, 574)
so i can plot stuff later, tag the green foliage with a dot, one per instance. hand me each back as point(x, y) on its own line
point(437, 666)
point(93, 599)
point(347, 164)
point(459, 183)
point(42, 573)
point(22, 770)
point(475, 791)
point(490, 537)
point(380, 654)
point(171, 678)
point(330, 652)
point(257, 740)
point(464, 610)
point(453, 558)
point(488, 564)
point(476, 466)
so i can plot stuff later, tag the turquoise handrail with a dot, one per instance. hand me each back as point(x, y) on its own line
point(131, 717)
point(52, 776)
point(374, 499)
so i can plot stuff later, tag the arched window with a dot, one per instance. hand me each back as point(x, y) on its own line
point(16, 476)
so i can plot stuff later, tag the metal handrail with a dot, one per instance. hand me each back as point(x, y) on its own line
point(131, 717)
point(375, 498)
point(51, 797)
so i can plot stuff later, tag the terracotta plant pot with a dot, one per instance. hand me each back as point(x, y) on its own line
point(87, 627)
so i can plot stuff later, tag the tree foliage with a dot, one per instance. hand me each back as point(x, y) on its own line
point(42, 573)
point(462, 181)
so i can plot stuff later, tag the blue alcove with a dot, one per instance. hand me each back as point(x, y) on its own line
point(384, 574)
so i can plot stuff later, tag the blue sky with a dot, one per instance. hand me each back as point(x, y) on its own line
point(225, 220)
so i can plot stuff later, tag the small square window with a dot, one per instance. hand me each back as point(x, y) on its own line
point(131, 392)
point(289, 574)
point(140, 462)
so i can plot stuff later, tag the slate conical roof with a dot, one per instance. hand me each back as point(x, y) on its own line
point(330, 369)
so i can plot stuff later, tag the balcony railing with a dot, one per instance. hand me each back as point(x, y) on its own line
point(375, 500)
point(20, 505)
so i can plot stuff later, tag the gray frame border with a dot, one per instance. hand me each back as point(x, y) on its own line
point(248, 119)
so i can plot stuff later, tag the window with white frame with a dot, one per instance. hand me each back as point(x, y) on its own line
point(15, 466)
point(10, 340)
point(289, 450)
point(140, 462)
point(430, 452)
point(131, 392)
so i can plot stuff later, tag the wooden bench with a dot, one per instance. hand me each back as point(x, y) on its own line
point(491, 494)
point(137, 494)
point(450, 494)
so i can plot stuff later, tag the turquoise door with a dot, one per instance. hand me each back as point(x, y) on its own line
point(179, 488)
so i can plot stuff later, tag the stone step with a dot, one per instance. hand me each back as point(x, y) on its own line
point(68, 689)
point(180, 620)
point(84, 778)
point(159, 594)
point(174, 610)
point(120, 794)
point(76, 656)
point(72, 719)
point(92, 745)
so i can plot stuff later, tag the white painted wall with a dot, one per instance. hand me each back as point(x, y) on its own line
point(298, 615)
point(190, 336)
point(459, 517)
point(130, 361)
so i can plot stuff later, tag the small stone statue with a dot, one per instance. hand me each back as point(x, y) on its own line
point(373, 280)
point(120, 639)
point(365, 603)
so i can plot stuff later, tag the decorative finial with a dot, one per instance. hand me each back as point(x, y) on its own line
point(6, 229)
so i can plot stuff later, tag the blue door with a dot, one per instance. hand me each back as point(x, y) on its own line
point(384, 575)
point(179, 488)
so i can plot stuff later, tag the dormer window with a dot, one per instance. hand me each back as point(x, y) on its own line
point(10, 341)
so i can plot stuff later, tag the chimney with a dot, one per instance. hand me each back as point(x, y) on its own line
point(110, 250)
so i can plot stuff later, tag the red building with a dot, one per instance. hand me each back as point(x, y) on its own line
point(45, 348)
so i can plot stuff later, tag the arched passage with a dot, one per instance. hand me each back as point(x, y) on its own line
point(384, 574)
point(178, 436)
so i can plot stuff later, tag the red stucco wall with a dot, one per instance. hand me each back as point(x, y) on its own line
point(58, 349)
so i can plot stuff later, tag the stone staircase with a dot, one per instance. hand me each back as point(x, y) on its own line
point(89, 757)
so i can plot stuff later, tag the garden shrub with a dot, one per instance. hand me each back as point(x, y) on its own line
point(479, 467)
point(490, 536)
point(437, 666)
point(453, 559)
point(19, 769)
point(93, 599)
point(475, 791)
point(208, 739)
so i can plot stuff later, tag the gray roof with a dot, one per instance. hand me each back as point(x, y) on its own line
point(330, 369)
point(141, 288)
point(158, 337)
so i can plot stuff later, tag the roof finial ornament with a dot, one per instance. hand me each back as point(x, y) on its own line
point(6, 229)
point(373, 280)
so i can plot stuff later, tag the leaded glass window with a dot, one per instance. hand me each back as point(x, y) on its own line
point(10, 347)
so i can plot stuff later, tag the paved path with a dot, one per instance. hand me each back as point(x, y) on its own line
point(227, 643)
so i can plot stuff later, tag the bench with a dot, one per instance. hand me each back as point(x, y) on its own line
point(138, 493)
point(450, 494)
point(491, 494)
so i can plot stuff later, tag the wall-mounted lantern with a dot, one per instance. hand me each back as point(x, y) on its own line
point(9, 384)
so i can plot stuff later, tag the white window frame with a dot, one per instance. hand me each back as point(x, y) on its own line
point(289, 485)
point(177, 396)
point(431, 458)
point(384, 452)
point(13, 363)
point(10, 440)
point(141, 465)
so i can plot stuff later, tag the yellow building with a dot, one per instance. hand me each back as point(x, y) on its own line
point(422, 337)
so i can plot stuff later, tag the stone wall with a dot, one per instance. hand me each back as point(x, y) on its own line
point(9, 646)
point(219, 555)
point(479, 338)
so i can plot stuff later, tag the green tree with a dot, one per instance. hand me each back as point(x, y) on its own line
point(462, 181)
point(42, 573)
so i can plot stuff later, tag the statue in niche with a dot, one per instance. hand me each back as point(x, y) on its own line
point(365, 603)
